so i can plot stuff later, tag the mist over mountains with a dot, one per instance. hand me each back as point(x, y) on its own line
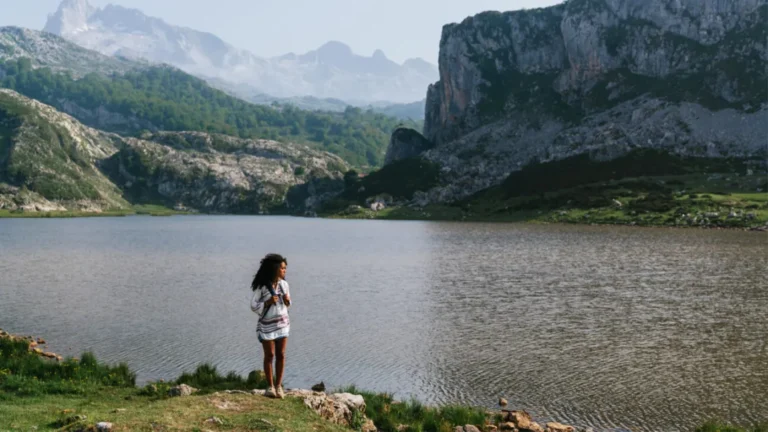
point(331, 71)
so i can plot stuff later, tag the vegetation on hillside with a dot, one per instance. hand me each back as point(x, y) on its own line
point(645, 187)
point(42, 157)
point(164, 98)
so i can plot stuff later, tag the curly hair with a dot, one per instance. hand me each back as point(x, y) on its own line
point(268, 271)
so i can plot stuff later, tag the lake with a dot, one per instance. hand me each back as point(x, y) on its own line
point(615, 328)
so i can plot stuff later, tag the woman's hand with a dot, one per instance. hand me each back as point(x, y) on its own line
point(287, 299)
point(272, 301)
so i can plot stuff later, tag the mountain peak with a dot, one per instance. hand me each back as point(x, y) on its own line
point(71, 17)
point(379, 55)
point(335, 49)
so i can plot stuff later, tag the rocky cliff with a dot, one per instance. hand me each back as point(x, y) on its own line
point(50, 161)
point(599, 77)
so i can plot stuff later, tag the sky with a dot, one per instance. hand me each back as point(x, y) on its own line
point(401, 28)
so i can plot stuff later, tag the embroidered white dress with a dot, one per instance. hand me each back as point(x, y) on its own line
point(275, 323)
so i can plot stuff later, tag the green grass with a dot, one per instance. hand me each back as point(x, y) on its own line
point(388, 415)
point(27, 374)
point(140, 209)
point(714, 426)
point(645, 201)
point(42, 394)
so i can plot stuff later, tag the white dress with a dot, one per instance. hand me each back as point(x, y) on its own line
point(275, 323)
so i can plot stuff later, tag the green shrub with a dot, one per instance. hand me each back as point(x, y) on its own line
point(206, 378)
point(26, 373)
point(388, 414)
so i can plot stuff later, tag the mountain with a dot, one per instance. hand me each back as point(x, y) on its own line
point(126, 97)
point(58, 54)
point(404, 111)
point(50, 161)
point(331, 71)
point(600, 78)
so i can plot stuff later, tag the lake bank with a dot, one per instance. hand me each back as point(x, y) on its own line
point(41, 392)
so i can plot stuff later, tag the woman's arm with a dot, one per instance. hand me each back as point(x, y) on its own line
point(257, 301)
point(287, 293)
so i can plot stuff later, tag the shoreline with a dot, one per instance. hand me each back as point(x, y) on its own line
point(370, 215)
point(205, 397)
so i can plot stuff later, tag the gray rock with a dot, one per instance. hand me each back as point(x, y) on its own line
point(406, 143)
point(104, 426)
point(181, 390)
point(559, 54)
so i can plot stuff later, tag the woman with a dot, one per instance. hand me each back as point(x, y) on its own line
point(271, 298)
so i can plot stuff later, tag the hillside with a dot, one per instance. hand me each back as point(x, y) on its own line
point(49, 161)
point(167, 99)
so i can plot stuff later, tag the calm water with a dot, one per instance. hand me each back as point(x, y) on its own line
point(619, 329)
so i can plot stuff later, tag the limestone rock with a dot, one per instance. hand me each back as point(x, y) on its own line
point(559, 427)
point(181, 390)
point(406, 143)
point(501, 74)
point(338, 408)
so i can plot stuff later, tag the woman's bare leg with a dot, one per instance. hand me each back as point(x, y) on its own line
point(269, 356)
point(280, 345)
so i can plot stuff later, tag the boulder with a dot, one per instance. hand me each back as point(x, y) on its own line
point(104, 426)
point(559, 427)
point(338, 408)
point(406, 143)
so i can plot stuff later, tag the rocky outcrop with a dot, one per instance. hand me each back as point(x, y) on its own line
point(598, 77)
point(217, 173)
point(56, 163)
point(406, 143)
point(344, 409)
point(54, 52)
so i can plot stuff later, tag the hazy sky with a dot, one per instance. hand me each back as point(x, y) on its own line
point(401, 28)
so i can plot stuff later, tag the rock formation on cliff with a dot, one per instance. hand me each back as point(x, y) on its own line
point(601, 77)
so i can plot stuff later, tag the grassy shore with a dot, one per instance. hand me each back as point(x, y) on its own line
point(674, 201)
point(37, 393)
point(150, 210)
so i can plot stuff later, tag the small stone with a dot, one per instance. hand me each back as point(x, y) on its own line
point(471, 428)
point(104, 426)
point(215, 420)
point(119, 410)
point(319, 387)
point(502, 402)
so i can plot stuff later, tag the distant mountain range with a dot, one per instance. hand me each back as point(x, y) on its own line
point(331, 71)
